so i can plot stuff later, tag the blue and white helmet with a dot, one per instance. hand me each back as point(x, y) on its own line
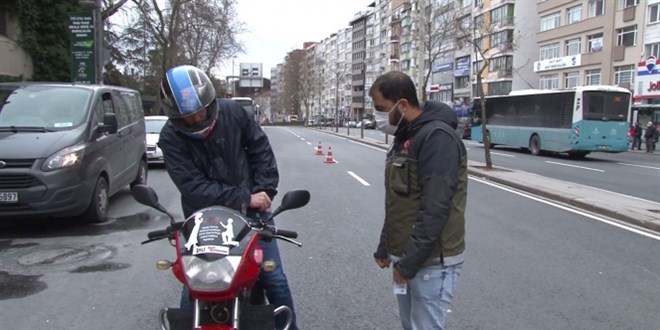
point(185, 91)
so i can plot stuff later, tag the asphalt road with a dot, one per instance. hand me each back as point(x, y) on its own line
point(530, 265)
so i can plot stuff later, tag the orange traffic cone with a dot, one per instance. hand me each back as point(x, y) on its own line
point(329, 159)
point(319, 149)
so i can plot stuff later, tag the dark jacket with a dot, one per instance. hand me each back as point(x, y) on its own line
point(651, 133)
point(235, 161)
point(426, 193)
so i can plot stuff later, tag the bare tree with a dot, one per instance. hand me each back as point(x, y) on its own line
point(311, 80)
point(435, 35)
point(291, 95)
point(489, 37)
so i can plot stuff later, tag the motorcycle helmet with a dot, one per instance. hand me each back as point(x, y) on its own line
point(185, 91)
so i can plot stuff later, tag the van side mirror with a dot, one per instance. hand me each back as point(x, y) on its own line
point(109, 124)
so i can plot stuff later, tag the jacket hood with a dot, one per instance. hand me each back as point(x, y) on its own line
point(25, 145)
point(436, 110)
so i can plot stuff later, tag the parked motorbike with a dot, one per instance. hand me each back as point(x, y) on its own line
point(218, 259)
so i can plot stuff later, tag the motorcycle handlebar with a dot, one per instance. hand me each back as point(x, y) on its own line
point(158, 233)
point(285, 233)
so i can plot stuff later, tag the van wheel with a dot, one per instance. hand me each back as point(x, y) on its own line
point(142, 174)
point(535, 145)
point(97, 211)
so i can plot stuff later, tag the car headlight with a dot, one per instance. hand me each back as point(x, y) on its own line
point(202, 275)
point(64, 158)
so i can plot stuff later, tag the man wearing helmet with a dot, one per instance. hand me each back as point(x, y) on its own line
point(216, 154)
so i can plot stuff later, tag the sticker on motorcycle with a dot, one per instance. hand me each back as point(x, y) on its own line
point(210, 249)
point(211, 232)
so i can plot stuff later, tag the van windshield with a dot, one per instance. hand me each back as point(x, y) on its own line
point(49, 107)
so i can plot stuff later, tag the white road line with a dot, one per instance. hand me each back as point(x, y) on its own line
point(368, 146)
point(309, 143)
point(358, 178)
point(501, 154)
point(575, 166)
point(559, 206)
point(651, 167)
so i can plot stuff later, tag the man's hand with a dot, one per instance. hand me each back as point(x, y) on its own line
point(398, 279)
point(383, 262)
point(260, 201)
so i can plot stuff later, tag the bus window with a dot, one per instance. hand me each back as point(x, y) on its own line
point(606, 106)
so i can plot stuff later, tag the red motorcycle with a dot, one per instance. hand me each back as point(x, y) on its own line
point(219, 260)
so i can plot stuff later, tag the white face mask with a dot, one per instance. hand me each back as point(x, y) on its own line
point(383, 121)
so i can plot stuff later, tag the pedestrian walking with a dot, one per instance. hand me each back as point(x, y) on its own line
point(651, 135)
point(637, 137)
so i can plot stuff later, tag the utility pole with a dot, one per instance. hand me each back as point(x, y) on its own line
point(421, 47)
point(98, 43)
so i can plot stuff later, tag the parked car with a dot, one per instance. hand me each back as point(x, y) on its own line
point(154, 124)
point(66, 148)
point(351, 124)
point(368, 124)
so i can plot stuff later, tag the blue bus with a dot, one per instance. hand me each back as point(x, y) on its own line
point(578, 121)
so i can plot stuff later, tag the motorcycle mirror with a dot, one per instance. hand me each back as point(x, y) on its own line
point(291, 200)
point(294, 199)
point(146, 195)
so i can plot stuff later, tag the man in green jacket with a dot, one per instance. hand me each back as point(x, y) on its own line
point(425, 197)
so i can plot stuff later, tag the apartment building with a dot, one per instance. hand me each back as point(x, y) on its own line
point(358, 66)
point(591, 42)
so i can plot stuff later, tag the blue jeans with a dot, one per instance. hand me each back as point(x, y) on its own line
point(275, 282)
point(429, 295)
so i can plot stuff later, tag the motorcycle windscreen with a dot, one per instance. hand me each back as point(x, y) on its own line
point(211, 233)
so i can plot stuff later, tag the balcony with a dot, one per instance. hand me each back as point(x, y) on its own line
point(506, 73)
point(395, 38)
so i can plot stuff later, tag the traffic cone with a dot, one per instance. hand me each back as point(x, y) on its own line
point(319, 149)
point(328, 159)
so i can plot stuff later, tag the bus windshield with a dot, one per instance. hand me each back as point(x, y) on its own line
point(606, 106)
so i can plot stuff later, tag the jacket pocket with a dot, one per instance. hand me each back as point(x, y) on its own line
point(400, 176)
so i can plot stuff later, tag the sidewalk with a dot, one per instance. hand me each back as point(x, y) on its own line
point(645, 214)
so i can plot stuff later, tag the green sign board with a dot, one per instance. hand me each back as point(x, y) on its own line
point(81, 34)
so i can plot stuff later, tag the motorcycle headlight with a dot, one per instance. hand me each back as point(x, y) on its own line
point(64, 158)
point(202, 275)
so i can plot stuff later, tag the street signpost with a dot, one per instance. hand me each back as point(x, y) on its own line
point(81, 34)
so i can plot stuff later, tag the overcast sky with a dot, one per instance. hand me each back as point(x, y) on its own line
point(275, 27)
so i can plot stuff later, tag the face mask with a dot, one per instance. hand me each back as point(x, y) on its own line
point(383, 121)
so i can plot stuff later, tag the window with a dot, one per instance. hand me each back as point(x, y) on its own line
point(479, 21)
point(465, 3)
point(592, 77)
point(502, 14)
point(595, 43)
point(476, 66)
point(573, 46)
point(549, 82)
point(623, 4)
point(550, 22)
point(624, 74)
point(499, 88)
point(501, 38)
point(596, 8)
point(502, 63)
point(571, 79)
point(549, 51)
point(652, 49)
point(626, 36)
point(463, 82)
point(654, 13)
point(574, 14)
point(478, 3)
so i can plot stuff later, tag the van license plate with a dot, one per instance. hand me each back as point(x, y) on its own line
point(603, 147)
point(8, 197)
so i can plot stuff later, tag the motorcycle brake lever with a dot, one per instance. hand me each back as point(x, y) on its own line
point(288, 240)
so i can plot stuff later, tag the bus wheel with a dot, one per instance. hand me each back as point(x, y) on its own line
point(535, 145)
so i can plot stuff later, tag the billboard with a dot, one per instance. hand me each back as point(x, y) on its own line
point(251, 75)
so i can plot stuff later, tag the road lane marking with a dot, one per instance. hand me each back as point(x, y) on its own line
point(356, 177)
point(501, 154)
point(575, 166)
point(628, 227)
point(651, 167)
